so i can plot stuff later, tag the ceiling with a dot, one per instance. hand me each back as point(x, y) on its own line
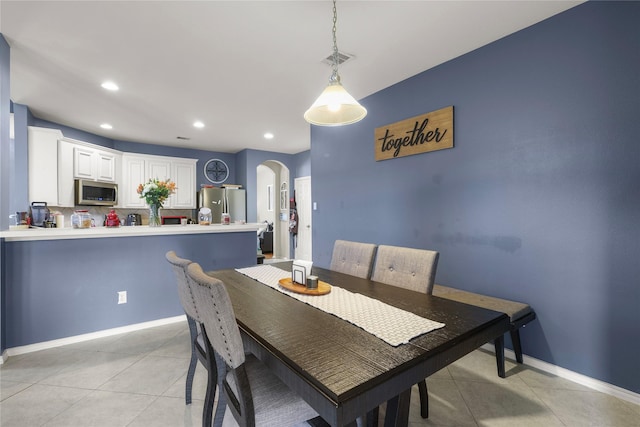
point(242, 68)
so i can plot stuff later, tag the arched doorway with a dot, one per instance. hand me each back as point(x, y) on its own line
point(272, 198)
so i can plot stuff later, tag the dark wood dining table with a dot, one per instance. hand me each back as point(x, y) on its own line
point(342, 371)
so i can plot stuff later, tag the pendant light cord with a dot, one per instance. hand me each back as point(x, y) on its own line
point(334, 75)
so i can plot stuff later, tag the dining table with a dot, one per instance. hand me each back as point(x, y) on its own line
point(338, 368)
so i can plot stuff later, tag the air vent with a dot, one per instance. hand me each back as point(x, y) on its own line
point(342, 58)
point(184, 138)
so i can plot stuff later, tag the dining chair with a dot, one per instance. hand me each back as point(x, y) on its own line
point(352, 258)
point(198, 347)
point(255, 396)
point(413, 269)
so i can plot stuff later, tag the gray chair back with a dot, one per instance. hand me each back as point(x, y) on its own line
point(179, 266)
point(408, 268)
point(217, 316)
point(353, 258)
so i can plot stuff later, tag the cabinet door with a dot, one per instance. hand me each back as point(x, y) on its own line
point(133, 168)
point(83, 163)
point(105, 167)
point(158, 169)
point(66, 187)
point(184, 174)
point(42, 144)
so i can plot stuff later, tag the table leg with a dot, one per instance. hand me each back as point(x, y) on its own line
point(397, 413)
point(499, 346)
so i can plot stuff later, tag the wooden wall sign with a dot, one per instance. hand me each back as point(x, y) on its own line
point(428, 132)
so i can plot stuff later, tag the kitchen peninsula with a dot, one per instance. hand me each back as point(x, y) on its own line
point(61, 283)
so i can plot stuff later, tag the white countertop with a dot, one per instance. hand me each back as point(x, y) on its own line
point(132, 231)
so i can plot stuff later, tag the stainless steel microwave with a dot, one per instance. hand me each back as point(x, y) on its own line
point(95, 193)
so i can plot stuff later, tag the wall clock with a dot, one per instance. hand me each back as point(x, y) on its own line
point(216, 171)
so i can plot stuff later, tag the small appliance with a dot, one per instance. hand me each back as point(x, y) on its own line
point(172, 220)
point(133, 219)
point(111, 219)
point(95, 193)
point(39, 213)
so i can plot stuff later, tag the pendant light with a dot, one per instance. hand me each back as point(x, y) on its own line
point(334, 106)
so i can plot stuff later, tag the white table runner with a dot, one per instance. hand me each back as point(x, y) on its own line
point(390, 324)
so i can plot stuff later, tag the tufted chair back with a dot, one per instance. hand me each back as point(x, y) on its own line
point(179, 266)
point(408, 268)
point(216, 315)
point(353, 258)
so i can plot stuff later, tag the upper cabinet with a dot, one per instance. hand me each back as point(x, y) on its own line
point(55, 162)
point(43, 165)
point(184, 175)
point(133, 174)
point(139, 168)
point(94, 164)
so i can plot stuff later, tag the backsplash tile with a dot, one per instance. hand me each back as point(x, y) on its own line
point(98, 213)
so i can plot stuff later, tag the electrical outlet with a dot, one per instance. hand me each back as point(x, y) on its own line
point(122, 297)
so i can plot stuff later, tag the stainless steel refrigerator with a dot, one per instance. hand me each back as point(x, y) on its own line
point(224, 200)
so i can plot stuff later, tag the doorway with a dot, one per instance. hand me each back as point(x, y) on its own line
point(272, 187)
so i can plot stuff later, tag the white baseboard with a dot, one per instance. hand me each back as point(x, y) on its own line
point(575, 377)
point(86, 337)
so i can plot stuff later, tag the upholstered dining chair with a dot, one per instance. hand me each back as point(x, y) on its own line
point(255, 397)
point(413, 269)
point(198, 347)
point(352, 258)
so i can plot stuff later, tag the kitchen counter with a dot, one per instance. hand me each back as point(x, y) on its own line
point(137, 231)
point(60, 283)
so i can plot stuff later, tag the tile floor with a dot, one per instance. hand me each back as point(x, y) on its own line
point(137, 380)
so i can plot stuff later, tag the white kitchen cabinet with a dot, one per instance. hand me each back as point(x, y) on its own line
point(184, 175)
point(42, 145)
point(134, 174)
point(66, 187)
point(159, 168)
point(106, 166)
point(139, 168)
point(83, 167)
point(94, 164)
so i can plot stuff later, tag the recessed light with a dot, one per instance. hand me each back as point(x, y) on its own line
point(268, 135)
point(198, 125)
point(106, 126)
point(109, 85)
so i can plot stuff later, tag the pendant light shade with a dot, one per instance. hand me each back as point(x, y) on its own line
point(334, 106)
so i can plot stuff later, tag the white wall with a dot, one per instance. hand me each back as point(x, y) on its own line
point(265, 177)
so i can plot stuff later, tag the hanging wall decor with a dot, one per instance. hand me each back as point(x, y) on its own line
point(428, 132)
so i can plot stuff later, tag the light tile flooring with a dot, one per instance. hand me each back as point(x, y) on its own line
point(138, 378)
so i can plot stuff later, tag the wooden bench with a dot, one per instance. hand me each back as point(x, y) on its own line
point(519, 313)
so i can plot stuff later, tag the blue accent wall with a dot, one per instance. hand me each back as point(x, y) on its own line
point(5, 180)
point(538, 201)
point(6, 146)
point(303, 164)
point(20, 164)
